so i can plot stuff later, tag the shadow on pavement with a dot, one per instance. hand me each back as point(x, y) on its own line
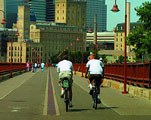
point(106, 108)
point(78, 110)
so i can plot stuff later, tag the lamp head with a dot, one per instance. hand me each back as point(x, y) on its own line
point(4, 21)
point(115, 8)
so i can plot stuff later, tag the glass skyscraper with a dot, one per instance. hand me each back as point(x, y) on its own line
point(99, 8)
point(11, 9)
point(44, 9)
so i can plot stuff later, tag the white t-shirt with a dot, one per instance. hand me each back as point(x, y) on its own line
point(94, 66)
point(64, 65)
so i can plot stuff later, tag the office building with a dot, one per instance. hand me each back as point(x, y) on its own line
point(105, 41)
point(99, 8)
point(71, 12)
point(44, 9)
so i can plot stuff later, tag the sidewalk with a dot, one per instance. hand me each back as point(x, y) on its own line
point(123, 104)
point(8, 86)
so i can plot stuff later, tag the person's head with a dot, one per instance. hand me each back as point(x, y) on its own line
point(91, 56)
point(100, 59)
point(65, 57)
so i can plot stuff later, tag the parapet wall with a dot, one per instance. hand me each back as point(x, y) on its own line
point(132, 90)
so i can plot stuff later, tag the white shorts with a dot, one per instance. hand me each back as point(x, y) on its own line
point(66, 74)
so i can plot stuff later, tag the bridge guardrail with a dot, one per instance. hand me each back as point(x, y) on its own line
point(6, 69)
point(138, 74)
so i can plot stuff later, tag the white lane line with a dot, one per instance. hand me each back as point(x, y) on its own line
point(55, 99)
point(87, 90)
point(45, 110)
point(12, 90)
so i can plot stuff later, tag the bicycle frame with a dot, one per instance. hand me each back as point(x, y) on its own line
point(65, 85)
point(95, 95)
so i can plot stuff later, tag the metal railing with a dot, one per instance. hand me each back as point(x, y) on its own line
point(138, 74)
point(8, 69)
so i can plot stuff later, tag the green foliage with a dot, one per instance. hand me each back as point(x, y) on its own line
point(71, 54)
point(141, 38)
point(144, 11)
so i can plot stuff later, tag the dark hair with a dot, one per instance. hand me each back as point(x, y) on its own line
point(65, 57)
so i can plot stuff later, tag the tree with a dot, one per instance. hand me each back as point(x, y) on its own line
point(141, 38)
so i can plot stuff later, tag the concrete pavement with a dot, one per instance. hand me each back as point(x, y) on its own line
point(123, 104)
point(119, 106)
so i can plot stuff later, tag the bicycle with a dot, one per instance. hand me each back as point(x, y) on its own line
point(65, 85)
point(94, 93)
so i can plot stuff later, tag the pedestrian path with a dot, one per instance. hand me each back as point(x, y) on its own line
point(123, 104)
point(9, 85)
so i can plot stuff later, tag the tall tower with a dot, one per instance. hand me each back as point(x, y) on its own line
point(71, 12)
point(99, 8)
point(44, 9)
point(23, 23)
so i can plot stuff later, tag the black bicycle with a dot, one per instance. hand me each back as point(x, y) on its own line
point(65, 85)
point(94, 93)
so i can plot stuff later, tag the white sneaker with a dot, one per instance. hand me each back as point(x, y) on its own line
point(62, 93)
point(90, 86)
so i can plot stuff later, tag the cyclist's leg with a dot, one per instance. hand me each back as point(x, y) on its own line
point(70, 95)
point(91, 78)
point(70, 92)
point(98, 83)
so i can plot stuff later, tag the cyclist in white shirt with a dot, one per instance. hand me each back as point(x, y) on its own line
point(94, 66)
point(65, 69)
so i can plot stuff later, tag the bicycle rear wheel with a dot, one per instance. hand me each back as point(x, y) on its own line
point(94, 99)
point(66, 100)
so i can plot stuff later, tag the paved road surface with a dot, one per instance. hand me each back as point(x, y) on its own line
point(36, 96)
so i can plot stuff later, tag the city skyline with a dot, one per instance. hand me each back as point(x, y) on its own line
point(99, 8)
point(114, 18)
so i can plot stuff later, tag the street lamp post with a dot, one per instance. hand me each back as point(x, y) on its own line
point(75, 54)
point(11, 54)
point(29, 53)
point(70, 49)
point(115, 9)
point(95, 34)
point(82, 58)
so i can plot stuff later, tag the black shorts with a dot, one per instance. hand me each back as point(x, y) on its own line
point(96, 77)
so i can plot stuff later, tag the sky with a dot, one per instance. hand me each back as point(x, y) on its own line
point(114, 18)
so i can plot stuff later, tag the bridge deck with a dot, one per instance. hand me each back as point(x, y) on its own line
point(34, 88)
